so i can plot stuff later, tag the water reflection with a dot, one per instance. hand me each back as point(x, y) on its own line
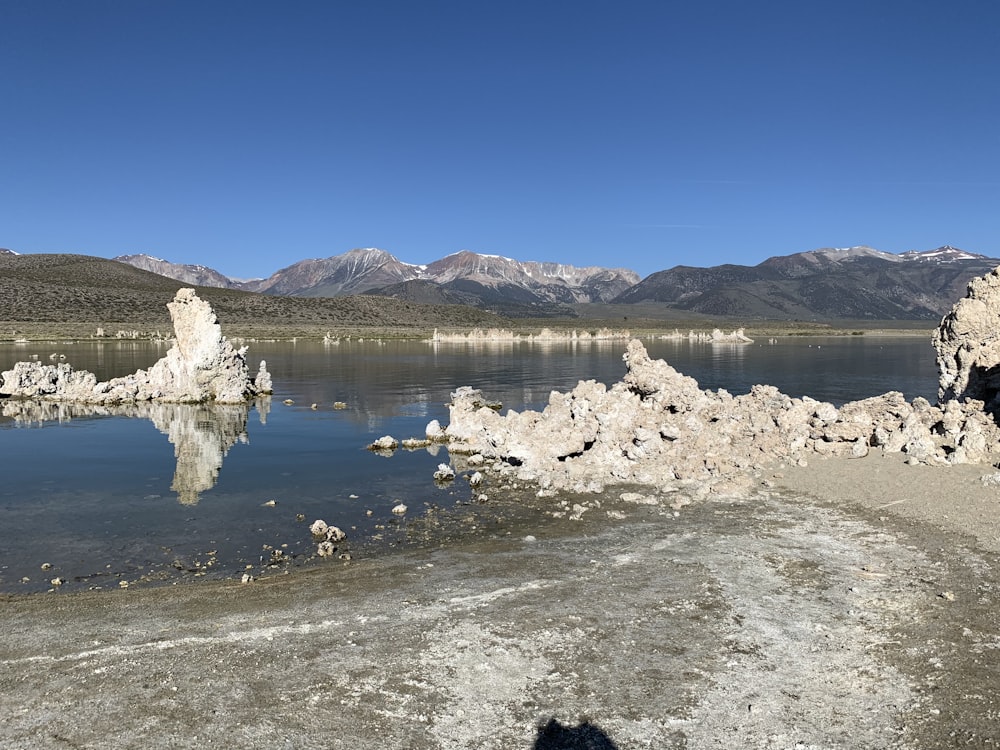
point(201, 434)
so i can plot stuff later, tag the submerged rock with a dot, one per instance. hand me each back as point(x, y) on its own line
point(201, 366)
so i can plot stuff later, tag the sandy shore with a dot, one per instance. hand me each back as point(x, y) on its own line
point(954, 498)
point(851, 605)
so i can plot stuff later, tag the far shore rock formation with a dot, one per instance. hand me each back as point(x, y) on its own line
point(659, 429)
point(201, 366)
point(547, 336)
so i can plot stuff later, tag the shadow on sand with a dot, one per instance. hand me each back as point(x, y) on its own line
point(585, 736)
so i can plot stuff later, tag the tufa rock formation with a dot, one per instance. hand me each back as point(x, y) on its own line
point(968, 345)
point(201, 366)
point(658, 428)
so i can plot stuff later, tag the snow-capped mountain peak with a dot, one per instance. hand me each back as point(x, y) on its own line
point(943, 254)
point(196, 275)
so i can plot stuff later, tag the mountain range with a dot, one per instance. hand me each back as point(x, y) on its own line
point(525, 288)
point(853, 283)
point(846, 283)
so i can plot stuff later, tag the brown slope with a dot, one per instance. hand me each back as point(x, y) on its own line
point(84, 289)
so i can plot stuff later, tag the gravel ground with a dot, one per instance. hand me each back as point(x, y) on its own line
point(787, 619)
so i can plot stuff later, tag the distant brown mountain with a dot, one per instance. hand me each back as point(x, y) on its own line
point(853, 283)
point(81, 289)
point(488, 281)
point(353, 272)
point(858, 283)
point(188, 274)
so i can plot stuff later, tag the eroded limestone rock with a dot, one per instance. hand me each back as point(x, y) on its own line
point(968, 345)
point(658, 428)
point(201, 366)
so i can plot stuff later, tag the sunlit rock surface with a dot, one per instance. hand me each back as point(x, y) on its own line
point(201, 366)
point(968, 345)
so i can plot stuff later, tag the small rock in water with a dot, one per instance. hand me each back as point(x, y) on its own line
point(435, 432)
point(247, 578)
point(476, 479)
point(288, 402)
point(270, 503)
point(326, 549)
point(46, 566)
point(334, 534)
point(318, 527)
point(384, 443)
point(444, 473)
point(399, 510)
point(415, 443)
point(339, 405)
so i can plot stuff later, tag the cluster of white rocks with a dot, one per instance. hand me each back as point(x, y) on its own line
point(200, 366)
point(546, 335)
point(715, 337)
point(658, 428)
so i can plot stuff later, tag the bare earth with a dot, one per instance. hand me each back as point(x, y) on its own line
point(852, 604)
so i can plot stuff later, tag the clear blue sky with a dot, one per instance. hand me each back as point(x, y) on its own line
point(248, 135)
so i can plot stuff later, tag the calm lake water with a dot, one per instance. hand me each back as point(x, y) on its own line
point(166, 492)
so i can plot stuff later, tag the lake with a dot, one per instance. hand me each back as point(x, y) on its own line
point(164, 493)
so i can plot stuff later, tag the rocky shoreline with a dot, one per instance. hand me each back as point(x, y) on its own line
point(657, 428)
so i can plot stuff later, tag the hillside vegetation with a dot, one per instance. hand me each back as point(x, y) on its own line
point(73, 294)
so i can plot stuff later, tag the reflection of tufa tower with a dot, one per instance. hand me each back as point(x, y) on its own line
point(202, 436)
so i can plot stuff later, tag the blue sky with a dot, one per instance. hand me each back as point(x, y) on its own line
point(248, 135)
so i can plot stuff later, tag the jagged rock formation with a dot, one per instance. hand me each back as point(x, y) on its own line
point(715, 337)
point(658, 428)
point(546, 335)
point(201, 366)
point(968, 345)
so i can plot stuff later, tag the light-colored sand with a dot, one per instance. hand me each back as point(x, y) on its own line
point(853, 605)
point(954, 498)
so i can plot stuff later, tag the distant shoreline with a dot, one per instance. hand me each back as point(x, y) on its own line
point(56, 332)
